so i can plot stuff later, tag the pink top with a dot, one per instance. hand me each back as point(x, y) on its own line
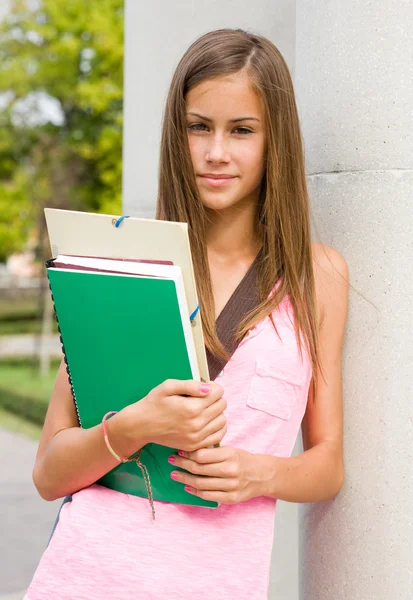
point(106, 544)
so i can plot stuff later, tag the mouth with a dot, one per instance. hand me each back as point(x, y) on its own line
point(217, 181)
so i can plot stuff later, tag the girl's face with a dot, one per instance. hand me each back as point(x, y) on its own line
point(226, 134)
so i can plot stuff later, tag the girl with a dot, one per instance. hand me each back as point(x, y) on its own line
point(274, 307)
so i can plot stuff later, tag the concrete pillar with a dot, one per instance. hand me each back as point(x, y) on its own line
point(354, 83)
point(156, 35)
point(4, 8)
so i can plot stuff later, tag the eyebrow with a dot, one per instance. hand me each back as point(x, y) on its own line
point(231, 121)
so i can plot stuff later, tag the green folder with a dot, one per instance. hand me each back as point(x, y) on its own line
point(122, 336)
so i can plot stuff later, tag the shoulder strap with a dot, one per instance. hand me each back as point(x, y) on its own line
point(244, 299)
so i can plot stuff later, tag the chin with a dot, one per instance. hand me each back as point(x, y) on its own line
point(216, 201)
point(217, 204)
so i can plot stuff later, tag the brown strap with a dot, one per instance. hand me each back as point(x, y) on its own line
point(244, 299)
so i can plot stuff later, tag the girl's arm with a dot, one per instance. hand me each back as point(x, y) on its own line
point(318, 473)
point(70, 458)
point(177, 413)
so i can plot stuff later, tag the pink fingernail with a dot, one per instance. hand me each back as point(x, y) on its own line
point(188, 489)
point(205, 388)
point(181, 453)
point(171, 459)
point(174, 475)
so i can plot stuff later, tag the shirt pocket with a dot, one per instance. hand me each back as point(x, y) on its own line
point(274, 389)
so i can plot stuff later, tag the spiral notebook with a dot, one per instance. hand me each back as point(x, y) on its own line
point(125, 327)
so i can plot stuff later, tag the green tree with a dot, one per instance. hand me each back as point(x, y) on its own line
point(70, 51)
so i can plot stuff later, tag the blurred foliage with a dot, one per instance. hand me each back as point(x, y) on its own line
point(72, 52)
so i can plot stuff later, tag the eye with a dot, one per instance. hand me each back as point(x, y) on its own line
point(195, 125)
point(242, 130)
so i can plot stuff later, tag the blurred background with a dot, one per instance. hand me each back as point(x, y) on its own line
point(61, 103)
point(61, 110)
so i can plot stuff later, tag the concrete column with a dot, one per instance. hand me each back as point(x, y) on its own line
point(354, 83)
point(4, 8)
point(156, 35)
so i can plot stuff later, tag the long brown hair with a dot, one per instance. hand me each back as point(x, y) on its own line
point(283, 205)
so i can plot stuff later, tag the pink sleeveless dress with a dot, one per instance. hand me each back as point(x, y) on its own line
point(106, 545)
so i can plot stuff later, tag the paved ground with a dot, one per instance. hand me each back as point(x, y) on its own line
point(26, 520)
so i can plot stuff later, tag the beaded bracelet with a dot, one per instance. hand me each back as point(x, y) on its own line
point(133, 458)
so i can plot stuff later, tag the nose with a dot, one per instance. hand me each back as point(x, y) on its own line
point(216, 150)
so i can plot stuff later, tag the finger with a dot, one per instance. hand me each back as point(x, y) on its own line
point(207, 393)
point(214, 410)
point(185, 387)
point(213, 396)
point(213, 426)
point(213, 484)
point(208, 455)
point(208, 470)
point(212, 440)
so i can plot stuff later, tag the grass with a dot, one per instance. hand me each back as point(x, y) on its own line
point(19, 374)
point(17, 424)
point(23, 391)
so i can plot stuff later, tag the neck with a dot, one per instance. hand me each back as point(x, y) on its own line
point(234, 233)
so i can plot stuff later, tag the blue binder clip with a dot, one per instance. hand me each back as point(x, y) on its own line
point(117, 222)
point(194, 314)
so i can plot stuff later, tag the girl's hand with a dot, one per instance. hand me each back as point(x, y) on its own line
point(178, 413)
point(226, 475)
